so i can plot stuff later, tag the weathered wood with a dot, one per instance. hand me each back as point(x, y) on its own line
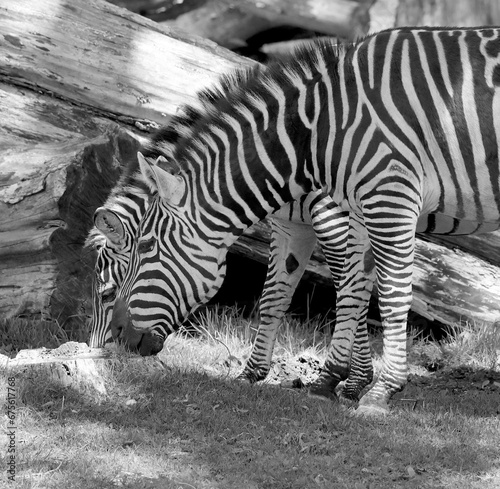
point(64, 108)
point(218, 20)
point(452, 286)
point(345, 18)
point(383, 15)
point(222, 22)
point(448, 12)
point(57, 162)
point(160, 10)
point(210, 18)
point(484, 246)
point(67, 352)
point(71, 364)
point(122, 65)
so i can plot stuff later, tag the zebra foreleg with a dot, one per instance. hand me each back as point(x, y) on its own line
point(291, 248)
point(394, 254)
point(331, 225)
point(352, 304)
point(361, 367)
point(390, 215)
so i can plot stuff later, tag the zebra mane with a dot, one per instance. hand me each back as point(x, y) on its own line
point(241, 87)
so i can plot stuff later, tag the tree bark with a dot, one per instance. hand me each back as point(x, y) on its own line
point(209, 18)
point(222, 22)
point(345, 18)
point(58, 162)
point(69, 105)
point(125, 67)
point(448, 12)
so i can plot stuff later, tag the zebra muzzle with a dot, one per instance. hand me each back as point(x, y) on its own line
point(120, 319)
point(123, 331)
point(122, 328)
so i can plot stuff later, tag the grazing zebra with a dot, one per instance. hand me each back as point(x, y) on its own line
point(402, 124)
point(112, 236)
point(292, 241)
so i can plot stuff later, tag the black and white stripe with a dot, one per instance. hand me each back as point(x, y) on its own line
point(403, 124)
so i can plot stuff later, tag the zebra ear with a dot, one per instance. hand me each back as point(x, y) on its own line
point(110, 225)
point(169, 187)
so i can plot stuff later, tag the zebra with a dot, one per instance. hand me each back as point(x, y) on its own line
point(293, 239)
point(115, 224)
point(402, 124)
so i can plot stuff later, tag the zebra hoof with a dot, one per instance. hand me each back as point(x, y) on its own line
point(244, 379)
point(349, 395)
point(250, 377)
point(323, 392)
point(372, 410)
point(348, 401)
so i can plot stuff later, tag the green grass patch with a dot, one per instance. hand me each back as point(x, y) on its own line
point(181, 420)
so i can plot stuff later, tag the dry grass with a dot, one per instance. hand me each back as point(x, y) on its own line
point(180, 420)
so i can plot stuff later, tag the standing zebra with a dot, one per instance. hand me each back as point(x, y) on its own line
point(292, 243)
point(402, 124)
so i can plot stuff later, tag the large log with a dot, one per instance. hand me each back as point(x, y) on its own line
point(125, 67)
point(218, 20)
point(159, 10)
point(345, 18)
point(484, 246)
point(222, 22)
point(229, 23)
point(448, 12)
point(65, 104)
point(57, 162)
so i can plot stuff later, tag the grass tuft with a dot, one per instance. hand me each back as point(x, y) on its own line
point(477, 345)
point(20, 333)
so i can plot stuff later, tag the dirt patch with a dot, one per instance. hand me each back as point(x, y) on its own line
point(457, 379)
point(300, 372)
point(294, 373)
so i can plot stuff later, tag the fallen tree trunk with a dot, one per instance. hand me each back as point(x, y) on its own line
point(70, 117)
point(484, 246)
point(68, 109)
point(345, 18)
point(229, 23)
point(448, 12)
point(123, 66)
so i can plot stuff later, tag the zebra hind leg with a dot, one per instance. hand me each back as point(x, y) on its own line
point(291, 247)
point(361, 367)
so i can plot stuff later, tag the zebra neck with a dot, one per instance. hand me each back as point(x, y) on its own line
point(272, 147)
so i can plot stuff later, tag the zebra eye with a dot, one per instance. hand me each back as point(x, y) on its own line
point(109, 295)
point(146, 245)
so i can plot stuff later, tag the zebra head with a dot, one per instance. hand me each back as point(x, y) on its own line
point(174, 266)
point(113, 240)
